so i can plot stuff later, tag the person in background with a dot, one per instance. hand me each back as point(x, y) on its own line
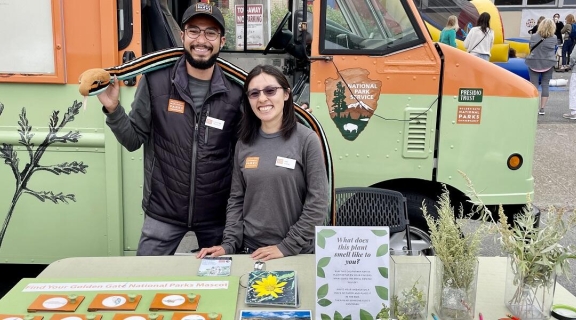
point(568, 44)
point(511, 53)
point(535, 27)
point(306, 106)
point(186, 117)
point(542, 58)
point(448, 34)
point(559, 26)
point(279, 186)
point(572, 90)
point(480, 39)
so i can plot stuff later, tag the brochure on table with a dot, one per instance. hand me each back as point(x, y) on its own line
point(351, 272)
point(215, 266)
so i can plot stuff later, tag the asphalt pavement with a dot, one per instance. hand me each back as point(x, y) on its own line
point(554, 166)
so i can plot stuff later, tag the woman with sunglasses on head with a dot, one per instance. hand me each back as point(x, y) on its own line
point(279, 184)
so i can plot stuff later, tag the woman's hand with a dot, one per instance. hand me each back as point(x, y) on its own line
point(267, 253)
point(214, 251)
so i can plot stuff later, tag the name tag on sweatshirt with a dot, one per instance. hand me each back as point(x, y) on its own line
point(215, 123)
point(285, 162)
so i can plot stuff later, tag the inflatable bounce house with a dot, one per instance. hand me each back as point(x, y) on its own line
point(435, 14)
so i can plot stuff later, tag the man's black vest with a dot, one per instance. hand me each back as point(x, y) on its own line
point(192, 165)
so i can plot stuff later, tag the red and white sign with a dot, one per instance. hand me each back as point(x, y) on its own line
point(255, 19)
point(469, 115)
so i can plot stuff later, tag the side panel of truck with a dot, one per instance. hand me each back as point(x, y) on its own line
point(486, 114)
point(74, 204)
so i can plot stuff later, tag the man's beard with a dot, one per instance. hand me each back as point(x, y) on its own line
point(201, 64)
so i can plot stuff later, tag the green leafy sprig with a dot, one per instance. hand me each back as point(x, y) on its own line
point(536, 251)
point(410, 304)
point(458, 252)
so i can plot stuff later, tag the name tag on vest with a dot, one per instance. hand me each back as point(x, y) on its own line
point(176, 106)
point(214, 123)
point(285, 162)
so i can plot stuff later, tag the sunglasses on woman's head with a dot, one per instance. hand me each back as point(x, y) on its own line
point(268, 91)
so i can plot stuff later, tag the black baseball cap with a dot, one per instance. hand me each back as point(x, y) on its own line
point(204, 9)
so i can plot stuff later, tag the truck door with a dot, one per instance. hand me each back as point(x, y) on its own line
point(374, 86)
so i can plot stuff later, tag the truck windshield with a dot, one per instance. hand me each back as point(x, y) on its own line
point(380, 25)
point(436, 13)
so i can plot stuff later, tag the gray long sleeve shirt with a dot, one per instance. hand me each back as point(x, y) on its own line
point(542, 57)
point(271, 204)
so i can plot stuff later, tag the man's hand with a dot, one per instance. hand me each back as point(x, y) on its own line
point(214, 251)
point(267, 253)
point(109, 98)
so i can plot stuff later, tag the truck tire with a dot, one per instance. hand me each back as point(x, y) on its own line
point(419, 231)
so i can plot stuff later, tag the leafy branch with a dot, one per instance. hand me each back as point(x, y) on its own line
point(536, 250)
point(535, 253)
point(25, 132)
point(10, 158)
point(458, 252)
point(64, 168)
point(22, 178)
point(49, 195)
point(410, 305)
point(384, 313)
point(71, 136)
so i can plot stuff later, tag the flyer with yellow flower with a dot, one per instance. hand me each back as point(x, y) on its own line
point(351, 272)
point(272, 288)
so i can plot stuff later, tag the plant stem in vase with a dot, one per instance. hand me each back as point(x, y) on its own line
point(528, 296)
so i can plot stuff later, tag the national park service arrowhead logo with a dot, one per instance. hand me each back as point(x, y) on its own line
point(352, 101)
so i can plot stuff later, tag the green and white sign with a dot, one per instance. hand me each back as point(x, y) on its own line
point(470, 94)
point(352, 272)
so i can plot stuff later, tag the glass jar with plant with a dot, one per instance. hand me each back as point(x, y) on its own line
point(535, 258)
point(410, 284)
point(535, 255)
point(456, 259)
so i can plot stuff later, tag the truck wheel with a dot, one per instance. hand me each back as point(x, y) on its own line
point(420, 241)
point(419, 231)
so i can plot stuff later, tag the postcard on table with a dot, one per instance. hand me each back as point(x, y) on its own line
point(352, 272)
point(215, 266)
point(272, 288)
point(276, 314)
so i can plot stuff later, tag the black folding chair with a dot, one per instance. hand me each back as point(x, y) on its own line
point(363, 206)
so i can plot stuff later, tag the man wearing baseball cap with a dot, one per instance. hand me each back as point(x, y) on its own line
point(186, 118)
point(207, 10)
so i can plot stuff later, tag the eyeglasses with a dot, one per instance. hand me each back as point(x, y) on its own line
point(268, 91)
point(209, 33)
